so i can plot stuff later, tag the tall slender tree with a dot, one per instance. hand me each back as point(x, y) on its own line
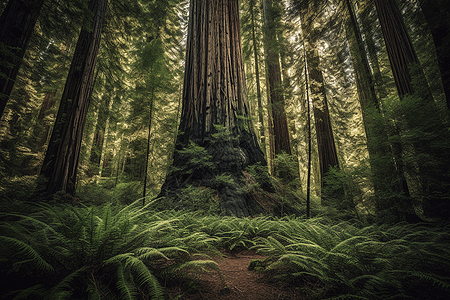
point(59, 169)
point(437, 15)
point(388, 175)
point(325, 139)
point(253, 14)
point(215, 112)
point(399, 46)
point(16, 26)
point(431, 161)
point(100, 133)
point(272, 13)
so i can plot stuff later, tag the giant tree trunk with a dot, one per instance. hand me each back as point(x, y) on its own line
point(149, 135)
point(214, 103)
point(61, 160)
point(280, 126)
point(16, 26)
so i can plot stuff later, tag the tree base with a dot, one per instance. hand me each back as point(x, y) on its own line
point(217, 167)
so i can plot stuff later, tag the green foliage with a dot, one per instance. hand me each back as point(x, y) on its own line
point(422, 128)
point(16, 188)
point(107, 192)
point(345, 261)
point(125, 252)
point(97, 252)
point(201, 199)
point(262, 177)
point(223, 180)
point(352, 200)
point(286, 169)
point(196, 159)
point(222, 135)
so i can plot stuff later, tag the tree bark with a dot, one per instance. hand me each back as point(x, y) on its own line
point(149, 135)
point(16, 26)
point(325, 140)
point(280, 126)
point(398, 45)
point(61, 160)
point(258, 83)
point(437, 15)
point(214, 93)
point(308, 128)
point(99, 135)
point(388, 173)
point(433, 180)
point(42, 128)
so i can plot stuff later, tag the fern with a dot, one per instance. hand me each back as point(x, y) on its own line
point(29, 254)
point(83, 246)
point(127, 289)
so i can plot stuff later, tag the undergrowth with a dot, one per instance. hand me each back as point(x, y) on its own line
point(96, 253)
point(131, 252)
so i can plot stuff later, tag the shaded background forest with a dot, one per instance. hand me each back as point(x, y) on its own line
point(323, 59)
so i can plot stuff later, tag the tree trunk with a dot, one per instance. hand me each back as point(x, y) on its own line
point(398, 45)
point(388, 174)
point(149, 134)
point(325, 140)
point(258, 84)
point(308, 128)
point(280, 126)
point(215, 112)
point(437, 15)
point(16, 26)
point(43, 129)
point(433, 180)
point(61, 160)
point(100, 135)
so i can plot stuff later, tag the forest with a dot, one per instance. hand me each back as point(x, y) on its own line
point(147, 145)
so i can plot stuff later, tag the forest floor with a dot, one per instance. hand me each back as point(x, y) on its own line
point(240, 283)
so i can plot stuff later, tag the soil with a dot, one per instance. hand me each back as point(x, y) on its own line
point(240, 283)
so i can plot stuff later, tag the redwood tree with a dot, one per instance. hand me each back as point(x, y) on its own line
point(388, 176)
point(398, 45)
point(430, 159)
point(59, 169)
point(437, 15)
point(216, 138)
point(16, 26)
point(280, 126)
point(325, 140)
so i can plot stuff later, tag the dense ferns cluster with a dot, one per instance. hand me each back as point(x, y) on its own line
point(127, 252)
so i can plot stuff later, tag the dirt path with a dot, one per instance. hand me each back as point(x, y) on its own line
point(240, 283)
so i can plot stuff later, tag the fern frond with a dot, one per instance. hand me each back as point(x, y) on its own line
point(347, 243)
point(173, 251)
point(35, 291)
point(198, 266)
point(63, 289)
point(23, 249)
point(150, 254)
point(442, 282)
point(146, 278)
point(126, 288)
